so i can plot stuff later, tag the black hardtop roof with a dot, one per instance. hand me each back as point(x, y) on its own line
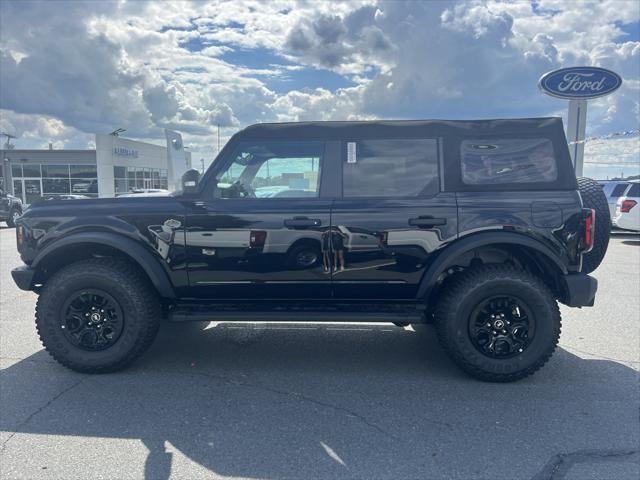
point(398, 128)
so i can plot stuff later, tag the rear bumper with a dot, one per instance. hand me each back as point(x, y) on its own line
point(23, 276)
point(580, 290)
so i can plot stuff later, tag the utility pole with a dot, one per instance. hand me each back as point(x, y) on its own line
point(218, 138)
point(202, 163)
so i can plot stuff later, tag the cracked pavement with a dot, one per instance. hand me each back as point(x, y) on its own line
point(307, 401)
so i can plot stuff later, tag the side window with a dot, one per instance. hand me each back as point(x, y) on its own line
point(634, 191)
point(507, 160)
point(272, 170)
point(619, 190)
point(391, 168)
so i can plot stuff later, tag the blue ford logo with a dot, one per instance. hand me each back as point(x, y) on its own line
point(580, 82)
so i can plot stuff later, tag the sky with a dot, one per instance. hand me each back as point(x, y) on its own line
point(71, 69)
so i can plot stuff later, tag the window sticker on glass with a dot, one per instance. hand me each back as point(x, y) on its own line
point(351, 152)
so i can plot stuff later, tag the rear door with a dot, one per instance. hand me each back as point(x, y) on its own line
point(391, 217)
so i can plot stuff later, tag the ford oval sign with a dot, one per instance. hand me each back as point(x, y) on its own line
point(580, 82)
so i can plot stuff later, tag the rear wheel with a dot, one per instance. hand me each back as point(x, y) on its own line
point(593, 197)
point(97, 315)
point(303, 256)
point(497, 323)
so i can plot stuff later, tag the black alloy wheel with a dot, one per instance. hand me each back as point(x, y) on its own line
point(92, 320)
point(501, 327)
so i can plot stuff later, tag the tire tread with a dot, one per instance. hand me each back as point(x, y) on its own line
point(125, 274)
point(461, 287)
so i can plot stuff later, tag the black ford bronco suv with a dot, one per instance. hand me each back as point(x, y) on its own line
point(477, 226)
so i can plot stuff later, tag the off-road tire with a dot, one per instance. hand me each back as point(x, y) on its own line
point(10, 219)
point(127, 285)
point(461, 296)
point(593, 197)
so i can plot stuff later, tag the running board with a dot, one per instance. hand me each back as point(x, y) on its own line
point(219, 313)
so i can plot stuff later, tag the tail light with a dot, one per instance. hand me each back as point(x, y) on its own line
point(627, 205)
point(383, 238)
point(257, 238)
point(589, 229)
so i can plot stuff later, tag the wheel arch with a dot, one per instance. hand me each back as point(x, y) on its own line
point(305, 241)
point(529, 250)
point(89, 244)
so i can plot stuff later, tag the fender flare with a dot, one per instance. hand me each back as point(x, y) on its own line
point(138, 253)
point(464, 245)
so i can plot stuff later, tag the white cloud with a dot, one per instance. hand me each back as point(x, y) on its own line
point(95, 66)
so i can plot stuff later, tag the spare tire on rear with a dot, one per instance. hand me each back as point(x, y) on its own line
point(593, 197)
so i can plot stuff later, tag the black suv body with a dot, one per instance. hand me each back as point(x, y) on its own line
point(476, 225)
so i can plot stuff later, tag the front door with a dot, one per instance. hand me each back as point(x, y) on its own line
point(391, 218)
point(257, 230)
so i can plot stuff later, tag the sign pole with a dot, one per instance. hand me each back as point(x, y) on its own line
point(579, 84)
point(576, 130)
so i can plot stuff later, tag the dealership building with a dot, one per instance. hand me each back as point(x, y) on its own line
point(116, 166)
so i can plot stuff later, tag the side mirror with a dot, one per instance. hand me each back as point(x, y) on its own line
point(190, 180)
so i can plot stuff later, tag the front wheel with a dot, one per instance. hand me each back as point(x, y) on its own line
point(14, 215)
point(97, 315)
point(497, 323)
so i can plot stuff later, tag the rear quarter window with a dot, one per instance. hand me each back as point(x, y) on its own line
point(487, 161)
point(619, 190)
point(634, 191)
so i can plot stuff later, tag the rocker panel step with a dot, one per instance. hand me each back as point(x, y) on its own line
point(296, 313)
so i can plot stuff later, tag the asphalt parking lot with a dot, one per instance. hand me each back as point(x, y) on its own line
point(304, 401)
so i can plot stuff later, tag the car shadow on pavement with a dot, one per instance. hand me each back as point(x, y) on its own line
point(324, 401)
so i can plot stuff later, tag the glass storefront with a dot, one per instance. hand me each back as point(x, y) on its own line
point(127, 179)
point(32, 181)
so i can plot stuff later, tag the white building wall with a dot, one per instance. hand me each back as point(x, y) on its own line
point(117, 151)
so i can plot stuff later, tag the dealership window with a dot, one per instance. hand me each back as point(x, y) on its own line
point(33, 180)
point(391, 168)
point(507, 160)
point(271, 170)
point(55, 171)
point(31, 170)
point(84, 171)
point(128, 179)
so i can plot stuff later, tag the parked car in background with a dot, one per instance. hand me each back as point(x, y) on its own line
point(10, 208)
point(613, 190)
point(90, 186)
point(67, 197)
point(627, 215)
point(146, 192)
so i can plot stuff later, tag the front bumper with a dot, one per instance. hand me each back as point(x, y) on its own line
point(580, 290)
point(23, 276)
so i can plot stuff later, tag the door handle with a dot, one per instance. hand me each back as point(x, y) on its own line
point(425, 221)
point(302, 222)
